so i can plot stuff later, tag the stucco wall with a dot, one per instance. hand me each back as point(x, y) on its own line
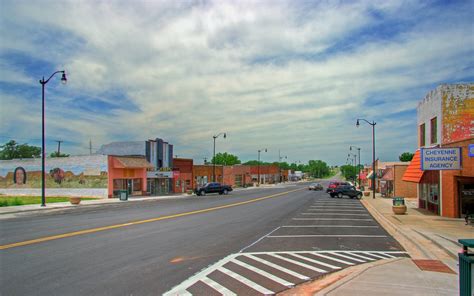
point(428, 108)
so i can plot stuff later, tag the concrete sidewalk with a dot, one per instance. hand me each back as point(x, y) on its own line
point(424, 236)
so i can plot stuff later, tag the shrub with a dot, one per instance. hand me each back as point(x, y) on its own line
point(3, 203)
point(17, 202)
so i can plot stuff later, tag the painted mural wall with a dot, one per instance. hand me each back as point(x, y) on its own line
point(88, 171)
point(458, 112)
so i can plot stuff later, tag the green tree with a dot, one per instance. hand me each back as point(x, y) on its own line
point(12, 149)
point(318, 169)
point(406, 156)
point(56, 154)
point(349, 172)
point(225, 159)
point(255, 162)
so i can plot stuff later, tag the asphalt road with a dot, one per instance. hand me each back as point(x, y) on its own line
point(150, 248)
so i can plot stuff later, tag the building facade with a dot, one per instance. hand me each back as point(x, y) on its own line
point(445, 120)
point(183, 175)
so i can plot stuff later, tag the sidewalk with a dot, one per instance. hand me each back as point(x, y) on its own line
point(424, 236)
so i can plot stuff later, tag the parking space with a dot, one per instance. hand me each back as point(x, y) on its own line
point(328, 235)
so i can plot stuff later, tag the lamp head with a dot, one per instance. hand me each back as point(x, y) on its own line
point(63, 78)
point(357, 124)
point(225, 135)
point(265, 149)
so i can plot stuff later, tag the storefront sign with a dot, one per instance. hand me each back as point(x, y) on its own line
point(440, 159)
point(158, 174)
point(471, 150)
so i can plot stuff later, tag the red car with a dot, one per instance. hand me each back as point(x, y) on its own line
point(334, 184)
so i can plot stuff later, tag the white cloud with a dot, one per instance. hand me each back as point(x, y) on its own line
point(269, 73)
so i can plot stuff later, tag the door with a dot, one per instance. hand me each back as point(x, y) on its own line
point(466, 197)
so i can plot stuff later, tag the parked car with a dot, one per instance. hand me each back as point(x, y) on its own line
point(347, 190)
point(213, 187)
point(315, 186)
point(334, 184)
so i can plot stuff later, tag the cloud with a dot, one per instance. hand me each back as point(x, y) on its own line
point(288, 75)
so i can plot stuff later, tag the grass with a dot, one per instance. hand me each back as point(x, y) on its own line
point(6, 201)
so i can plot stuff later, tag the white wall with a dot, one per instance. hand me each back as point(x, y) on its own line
point(428, 108)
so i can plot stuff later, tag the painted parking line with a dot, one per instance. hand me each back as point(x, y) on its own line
point(328, 226)
point(332, 209)
point(337, 214)
point(122, 225)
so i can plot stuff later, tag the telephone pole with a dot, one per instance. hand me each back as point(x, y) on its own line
point(90, 146)
point(59, 146)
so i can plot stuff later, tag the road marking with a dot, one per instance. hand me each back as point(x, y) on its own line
point(264, 273)
point(246, 281)
point(363, 257)
point(339, 214)
point(339, 210)
point(110, 227)
point(329, 226)
point(337, 207)
point(331, 219)
point(281, 268)
point(347, 257)
point(324, 235)
point(259, 239)
point(335, 257)
point(299, 263)
point(316, 261)
point(218, 287)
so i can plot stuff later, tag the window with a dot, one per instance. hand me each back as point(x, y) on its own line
point(422, 135)
point(434, 131)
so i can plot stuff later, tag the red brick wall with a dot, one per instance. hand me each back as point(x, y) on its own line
point(207, 170)
point(403, 188)
point(185, 168)
point(449, 187)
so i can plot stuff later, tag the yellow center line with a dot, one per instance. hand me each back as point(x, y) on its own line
point(92, 230)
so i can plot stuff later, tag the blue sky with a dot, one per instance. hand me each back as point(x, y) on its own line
point(283, 75)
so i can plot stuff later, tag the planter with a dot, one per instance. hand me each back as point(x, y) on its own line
point(399, 210)
point(75, 200)
point(366, 193)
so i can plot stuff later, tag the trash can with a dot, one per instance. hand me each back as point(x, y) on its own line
point(398, 201)
point(466, 268)
point(123, 194)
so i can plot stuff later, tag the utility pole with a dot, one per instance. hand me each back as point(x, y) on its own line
point(59, 146)
point(90, 146)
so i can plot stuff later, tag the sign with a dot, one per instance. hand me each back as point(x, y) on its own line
point(440, 159)
point(176, 174)
point(471, 150)
point(158, 174)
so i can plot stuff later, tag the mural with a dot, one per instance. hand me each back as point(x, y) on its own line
point(458, 113)
point(68, 172)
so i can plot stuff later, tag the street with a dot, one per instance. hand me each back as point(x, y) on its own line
point(250, 242)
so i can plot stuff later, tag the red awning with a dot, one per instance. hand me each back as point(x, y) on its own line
point(414, 172)
point(388, 174)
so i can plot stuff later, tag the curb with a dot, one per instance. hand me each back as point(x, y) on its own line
point(446, 250)
point(397, 233)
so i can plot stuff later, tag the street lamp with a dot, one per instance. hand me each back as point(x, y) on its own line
point(214, 156)
point(258, 165)
point(43, 152)
point(358, 166)
point(373, 123)
point(353, 159)
point(280, 157)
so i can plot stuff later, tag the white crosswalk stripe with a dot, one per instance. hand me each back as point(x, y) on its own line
point(316, 261)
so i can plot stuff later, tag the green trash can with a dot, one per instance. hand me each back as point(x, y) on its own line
point(466, 268)
point(123, 194)
point(398, 201)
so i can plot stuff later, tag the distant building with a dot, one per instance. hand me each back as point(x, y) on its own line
point(445, 119)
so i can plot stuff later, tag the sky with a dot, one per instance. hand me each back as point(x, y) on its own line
point(289, 76)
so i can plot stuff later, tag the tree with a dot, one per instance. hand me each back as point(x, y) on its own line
point(318, 169)
point(56, 154)
point(349, 172)
point(12, 149)
point(225, 159)
point(406, 156)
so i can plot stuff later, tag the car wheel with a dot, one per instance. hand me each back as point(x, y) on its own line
point(225, 191)
point(339, 195)
point(203, 193)
point(332, 195)
point(359, 196)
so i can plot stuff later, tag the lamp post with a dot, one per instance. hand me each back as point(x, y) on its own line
point(258, 165)
point(214, 156)
point(373, 123)
point(358, 166)
point(279, 169)
point(353, 159)
point(43, 152)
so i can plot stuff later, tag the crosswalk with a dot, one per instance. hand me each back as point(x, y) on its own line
point(267, 273)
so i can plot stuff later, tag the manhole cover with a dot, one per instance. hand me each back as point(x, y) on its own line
point(433, 265)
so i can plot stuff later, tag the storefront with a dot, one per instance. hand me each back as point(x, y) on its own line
point(127, 173)
point(159, 182)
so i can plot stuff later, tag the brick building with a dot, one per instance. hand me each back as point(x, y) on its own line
point(183, 175)
point(445, 119)
point(392, 184)
point(203, 173)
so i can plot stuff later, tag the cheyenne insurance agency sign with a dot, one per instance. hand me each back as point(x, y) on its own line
point(440, 159)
